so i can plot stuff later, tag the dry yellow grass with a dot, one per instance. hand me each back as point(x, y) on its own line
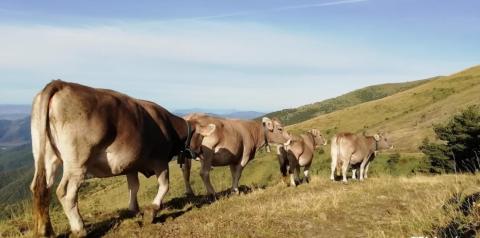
point(379, 207)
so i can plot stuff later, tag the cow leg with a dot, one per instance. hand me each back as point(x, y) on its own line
point(205, 174)
point(163, 183)
point(133, 185)
point(236, 170)
point(354, 174)
point(345, 170)
point(333, 168)
point(362, 168)
point(292, 168)
point(283, 161)
point(41, 187)
point(366, 170)
point(297, 174)
point(333, 155)
point(67, 193)
point(306, 177)
point(186, 177)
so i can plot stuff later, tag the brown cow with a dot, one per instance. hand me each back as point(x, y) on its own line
point(103, 133)
point(299, 152)
point(351, 149)
point(222, 142)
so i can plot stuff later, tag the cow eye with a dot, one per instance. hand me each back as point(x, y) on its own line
point(280, 129)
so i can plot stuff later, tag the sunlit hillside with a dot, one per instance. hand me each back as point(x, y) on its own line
point(407, 116)
point(296, 115)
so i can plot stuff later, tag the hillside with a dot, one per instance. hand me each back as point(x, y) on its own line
point(14, 132)
point(303, 113)
point(16, 172)
point(399, 205)
point(406, 116)
point(226, 113)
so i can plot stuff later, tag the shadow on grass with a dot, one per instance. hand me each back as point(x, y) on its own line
point(457, 228)
point(201, 200)
point(103, 227)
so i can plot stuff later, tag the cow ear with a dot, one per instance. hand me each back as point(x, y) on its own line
point(268, 123)
point(376, 137)
point(315, 132)
point(207, 130)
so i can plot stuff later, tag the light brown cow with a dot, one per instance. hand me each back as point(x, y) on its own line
point(351, 149)
point(222, 142)
point(299, 152)
point(103, 133)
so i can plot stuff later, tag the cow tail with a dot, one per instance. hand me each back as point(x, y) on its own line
point(339, 159)
point(40, 134)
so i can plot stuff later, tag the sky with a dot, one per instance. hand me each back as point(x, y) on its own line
point(245, 55)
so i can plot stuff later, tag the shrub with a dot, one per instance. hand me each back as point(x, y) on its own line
point(460, 149)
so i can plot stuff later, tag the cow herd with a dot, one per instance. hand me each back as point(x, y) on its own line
point(105, 133)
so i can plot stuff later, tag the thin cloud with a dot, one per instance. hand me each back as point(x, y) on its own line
point(326, 4)
point(277, 9)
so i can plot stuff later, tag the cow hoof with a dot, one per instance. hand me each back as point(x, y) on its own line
point(149, 214)
point(306, 180)
point(211, 198)
point(81, 233)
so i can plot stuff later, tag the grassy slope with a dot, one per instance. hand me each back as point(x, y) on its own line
point(381, 206)
point(303, 113)
point(16, 173)
point(395, 206)
point(407, 116)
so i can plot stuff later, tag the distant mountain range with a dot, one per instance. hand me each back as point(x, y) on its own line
point(14, 132)
point(227, 113)
point(14, 112)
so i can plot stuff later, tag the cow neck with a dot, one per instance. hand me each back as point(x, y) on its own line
point(265, 135)
point(262, 136)
point(181, 127)
point(312, 137)
point(375, 141)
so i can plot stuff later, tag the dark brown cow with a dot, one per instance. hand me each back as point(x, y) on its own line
point(101, 132)
point(351, 149)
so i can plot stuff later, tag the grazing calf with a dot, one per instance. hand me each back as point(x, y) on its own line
point(229, 142)
point(101, 132)
point(299, 152)
point(351, 149)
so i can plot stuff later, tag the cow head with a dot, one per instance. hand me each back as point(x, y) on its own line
point(200, 128)
point(274, 131)
point(318, 138)
point(382, 141)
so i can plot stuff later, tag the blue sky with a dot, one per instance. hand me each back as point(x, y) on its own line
point(245, 55)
